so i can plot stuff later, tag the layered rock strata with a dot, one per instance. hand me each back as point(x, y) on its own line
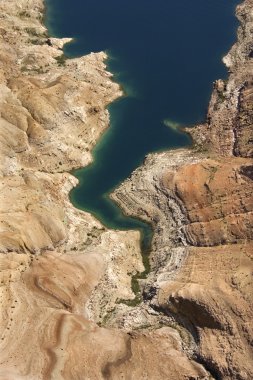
point(62, 273)
point(200, 205)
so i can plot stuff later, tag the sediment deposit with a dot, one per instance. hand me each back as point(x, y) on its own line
point(64, 277)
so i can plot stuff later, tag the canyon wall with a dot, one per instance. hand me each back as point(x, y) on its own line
point(200, 204)
point(65, 278)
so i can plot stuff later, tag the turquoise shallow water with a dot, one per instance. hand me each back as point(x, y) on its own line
point(165, 54)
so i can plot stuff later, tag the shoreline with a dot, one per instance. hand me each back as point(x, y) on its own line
point(57, 231)
point(63, 273)
point(143, 236)
point(190, 224)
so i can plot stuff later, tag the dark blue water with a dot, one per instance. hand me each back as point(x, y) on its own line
point(165, 54)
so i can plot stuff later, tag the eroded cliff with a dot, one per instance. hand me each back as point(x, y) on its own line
point(64, 276)
point(61, 271)
point(200, 204)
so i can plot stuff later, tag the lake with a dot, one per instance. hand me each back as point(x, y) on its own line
point(166, 55)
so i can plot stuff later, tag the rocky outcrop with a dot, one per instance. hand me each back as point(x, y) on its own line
point(228, 128)
point(65, 278)
point(63, 275)
point(200, 205)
